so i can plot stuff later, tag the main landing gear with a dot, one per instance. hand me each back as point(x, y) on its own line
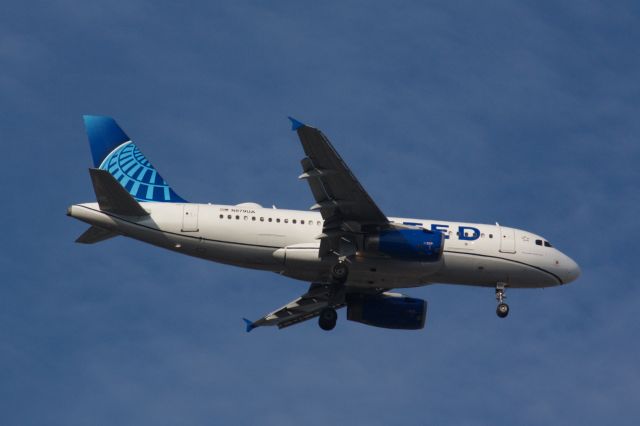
point(328, 316)
point(327, 319)
point(339, 272)
point(503, 309)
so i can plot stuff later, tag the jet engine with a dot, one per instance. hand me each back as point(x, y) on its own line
point(408, 244)
point(387, 310)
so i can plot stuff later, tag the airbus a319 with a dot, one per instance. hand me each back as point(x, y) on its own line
point(352, 254)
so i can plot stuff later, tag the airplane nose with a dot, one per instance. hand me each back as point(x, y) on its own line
point(572, 271)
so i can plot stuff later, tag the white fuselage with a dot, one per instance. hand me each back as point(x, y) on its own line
point(285, 241)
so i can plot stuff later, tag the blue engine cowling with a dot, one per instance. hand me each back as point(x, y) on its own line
point(387, 310)
point(409, 244)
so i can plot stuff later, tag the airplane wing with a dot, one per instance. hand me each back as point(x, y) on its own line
point(302, 309)
point(344, 204)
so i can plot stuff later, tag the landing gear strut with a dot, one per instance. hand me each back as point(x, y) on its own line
point(327, 319)
point(328, 316)
point(503, 309)
point(339, 273)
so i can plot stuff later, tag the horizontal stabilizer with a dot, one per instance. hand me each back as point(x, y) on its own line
point(112, 197)
point(95, 235)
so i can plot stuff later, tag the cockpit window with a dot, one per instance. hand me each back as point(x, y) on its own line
point(543, 243)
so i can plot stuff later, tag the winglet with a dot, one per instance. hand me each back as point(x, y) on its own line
point(295, 124)
point(250, 325)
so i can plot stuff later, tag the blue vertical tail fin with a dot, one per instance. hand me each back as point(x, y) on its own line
point(113, 150)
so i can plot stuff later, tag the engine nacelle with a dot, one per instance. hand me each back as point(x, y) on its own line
point(387, 310)
point(410, 244)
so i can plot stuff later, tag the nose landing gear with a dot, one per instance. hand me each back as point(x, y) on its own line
point(503, 309)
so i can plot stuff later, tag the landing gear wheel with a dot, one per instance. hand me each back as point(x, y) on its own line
point(340, 272)
point(327, 319)
point(502, 310)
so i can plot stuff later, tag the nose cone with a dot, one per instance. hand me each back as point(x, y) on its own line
point(571, 270)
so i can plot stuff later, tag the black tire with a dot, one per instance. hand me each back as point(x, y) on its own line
point(340, 272)
point(327, 319)
point(502, 310)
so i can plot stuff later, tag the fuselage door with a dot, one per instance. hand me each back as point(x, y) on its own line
point(507, 240)
point(190, 218)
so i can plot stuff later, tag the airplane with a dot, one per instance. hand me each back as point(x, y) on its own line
point(351, 253)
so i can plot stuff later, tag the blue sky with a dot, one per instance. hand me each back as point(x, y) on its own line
point(524, 113)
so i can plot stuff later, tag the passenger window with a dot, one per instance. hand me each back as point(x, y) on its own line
point(538, 242)
point(302, 222)
point(238, 217)
point(253, 218)
point(262, 219)
point(221, 216)
point(319, 223)
point(229, 217)
point(286, 221)
point(246, 218)
point(269, 219)
point(278, 220)
point(490, 235)
point(293, 221)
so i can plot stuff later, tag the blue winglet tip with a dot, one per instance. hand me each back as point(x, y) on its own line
point(249, 324)
point(295, 124)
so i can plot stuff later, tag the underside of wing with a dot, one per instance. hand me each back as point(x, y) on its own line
point(305, 307)
point(374, 307)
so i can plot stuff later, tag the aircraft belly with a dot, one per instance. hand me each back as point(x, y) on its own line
point(368, 272)
point(250, 256)
point(486, 270)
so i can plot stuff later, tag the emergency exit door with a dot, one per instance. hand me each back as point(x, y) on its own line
point(190, 218)
point(507, 240)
